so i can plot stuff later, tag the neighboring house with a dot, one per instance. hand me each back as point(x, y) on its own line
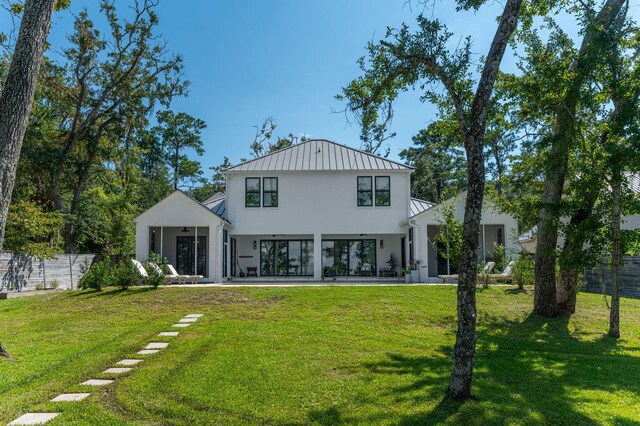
point(295, 213)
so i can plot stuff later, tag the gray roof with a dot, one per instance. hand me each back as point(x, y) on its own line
point(318, 155)
point(418, 206)
point(217, 205)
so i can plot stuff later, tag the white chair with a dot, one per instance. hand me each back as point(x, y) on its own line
point(182, 279)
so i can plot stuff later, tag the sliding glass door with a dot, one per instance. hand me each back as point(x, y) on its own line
point(349, 257)
point(286, 257)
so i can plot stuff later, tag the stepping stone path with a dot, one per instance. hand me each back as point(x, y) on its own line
point(129, 362)
point(68, 397)
point(97, 382)
point(34, 419)
point(152, 348)
point(116, 370)
point(155, 345)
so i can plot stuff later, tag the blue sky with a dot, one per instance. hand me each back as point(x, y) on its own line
point(247, 60)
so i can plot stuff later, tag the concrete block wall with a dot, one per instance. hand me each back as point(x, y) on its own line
point(19, 273)
point(599, 278)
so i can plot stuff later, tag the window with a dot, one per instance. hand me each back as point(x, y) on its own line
point(365, 191)
point(270, 192)
point(252, 192)
point(383, 191)
point(286, 257)
point(349, 257)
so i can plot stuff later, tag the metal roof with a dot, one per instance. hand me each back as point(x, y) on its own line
point(418, 206)
point(217, 205)
point(318, 155)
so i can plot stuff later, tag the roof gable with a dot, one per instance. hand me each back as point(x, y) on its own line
point(178, 196)
point(318, 155)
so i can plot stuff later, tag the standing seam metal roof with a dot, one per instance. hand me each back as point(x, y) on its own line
point(318, 155)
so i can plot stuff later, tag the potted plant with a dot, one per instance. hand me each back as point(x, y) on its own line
point(415, 271)
point(407, 275)
point(392, 263)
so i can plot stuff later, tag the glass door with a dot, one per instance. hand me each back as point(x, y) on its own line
point(186, 252)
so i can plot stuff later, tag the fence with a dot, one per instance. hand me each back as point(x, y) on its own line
point(20, 272)
point(598, 280)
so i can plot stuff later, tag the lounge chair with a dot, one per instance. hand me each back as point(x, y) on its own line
point(143, 272)
point(167, 277)
point(506, 275)
point(182, 279)
point(486, 271)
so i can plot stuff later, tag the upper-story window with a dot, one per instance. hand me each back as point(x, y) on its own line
point(270, 192)
point(383, 191)
point(365, 191)
point(252, 192)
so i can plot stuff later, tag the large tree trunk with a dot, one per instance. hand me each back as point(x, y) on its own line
point(545, 270)
point(614, 317)
point(464, 350)
point(16, 99)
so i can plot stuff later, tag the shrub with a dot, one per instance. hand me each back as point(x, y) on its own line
point(499, 257)
point(54, 284)
point(96, 277)
point(523, 271)
point(155, 278)
point(126, 274)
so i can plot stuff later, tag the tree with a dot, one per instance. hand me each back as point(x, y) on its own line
point(17, 95)
point(262, 144)
point(580, 68)
point(215, 185)
point(180, 132)
point(449, 238)
point(406, 59)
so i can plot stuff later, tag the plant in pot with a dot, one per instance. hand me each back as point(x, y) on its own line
point(407, 275)
point(392, 263)
point(415, 271)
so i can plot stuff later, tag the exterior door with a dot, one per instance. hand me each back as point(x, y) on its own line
point(186, 255)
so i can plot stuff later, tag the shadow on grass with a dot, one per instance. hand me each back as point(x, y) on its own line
point(528, 372)
point(112, 292)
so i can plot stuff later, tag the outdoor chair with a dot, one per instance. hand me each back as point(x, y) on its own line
point(506, 275)
point(252, 271)
point(182, 279)
point(486, 271)
point(143, 272)
point(168, 277)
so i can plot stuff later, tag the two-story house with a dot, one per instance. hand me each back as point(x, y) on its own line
point(294, 213)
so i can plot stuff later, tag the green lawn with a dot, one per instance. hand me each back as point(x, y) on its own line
point(321, 355)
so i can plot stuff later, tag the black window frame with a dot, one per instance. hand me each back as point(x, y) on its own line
point(247, 192)
point(359, 191)
point(265, 192)
point(377, 191)
point(273, 269)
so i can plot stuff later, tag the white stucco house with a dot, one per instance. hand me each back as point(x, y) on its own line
point(295, 212)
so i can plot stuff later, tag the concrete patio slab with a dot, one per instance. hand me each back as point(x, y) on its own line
point(156, 345)
point(183, 325)
point(68, 397)
point(169, 333)
point(183, 320)
point(34, 419)
point(148, 351)
point(116, 370)
point(97, 382)
point(129, 362)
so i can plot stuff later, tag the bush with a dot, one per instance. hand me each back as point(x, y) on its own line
point(523, 271)
point(155, 278)
point(125, 274)
point(499, 257)
point(97, 276)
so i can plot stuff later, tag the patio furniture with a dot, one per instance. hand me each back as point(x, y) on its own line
point(387, 272)
point(168, 277)
point(182, 279)
point(506, 275)
point(486, 271)
point(252, 271)
point(143, 272)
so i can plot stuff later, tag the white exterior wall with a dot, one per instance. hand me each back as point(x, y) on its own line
point(312, 203)
point(177, 211)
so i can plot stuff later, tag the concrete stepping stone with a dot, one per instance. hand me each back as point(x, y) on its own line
point(156, 345)
point(182, 325)
point(34, 419)
point(97, 382)
point(129, 362)
point(148, 351)
point(116, 370)
point(68, 397)
point(194, 315)
point(169, 333)
point(183, 320)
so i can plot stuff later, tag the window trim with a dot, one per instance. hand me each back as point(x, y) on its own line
point(358, 191)
point(264, 192)
point(246, 192)
point(382, 190)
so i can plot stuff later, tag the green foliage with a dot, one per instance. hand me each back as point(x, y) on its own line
point(499, 257)
point(125, 274)
point(523, 271)
point(97, 276)
point(155, 277)
point(32, 231)
point(449, 237)
point(215, 185)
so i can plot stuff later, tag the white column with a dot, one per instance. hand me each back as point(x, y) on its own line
point(317, 256)
point(195, 252)
point(161, 241)
point(484, 248)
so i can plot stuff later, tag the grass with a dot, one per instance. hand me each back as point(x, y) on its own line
point(322, 355)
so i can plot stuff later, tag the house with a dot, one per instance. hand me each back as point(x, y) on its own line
point(295, 213)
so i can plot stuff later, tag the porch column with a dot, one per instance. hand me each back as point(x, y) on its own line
point(195, 251)
point(484, 246)
point(161, 241)
point(317, 256)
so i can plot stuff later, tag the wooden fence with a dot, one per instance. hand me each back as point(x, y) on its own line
point(598, 280)
point(19, 272)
